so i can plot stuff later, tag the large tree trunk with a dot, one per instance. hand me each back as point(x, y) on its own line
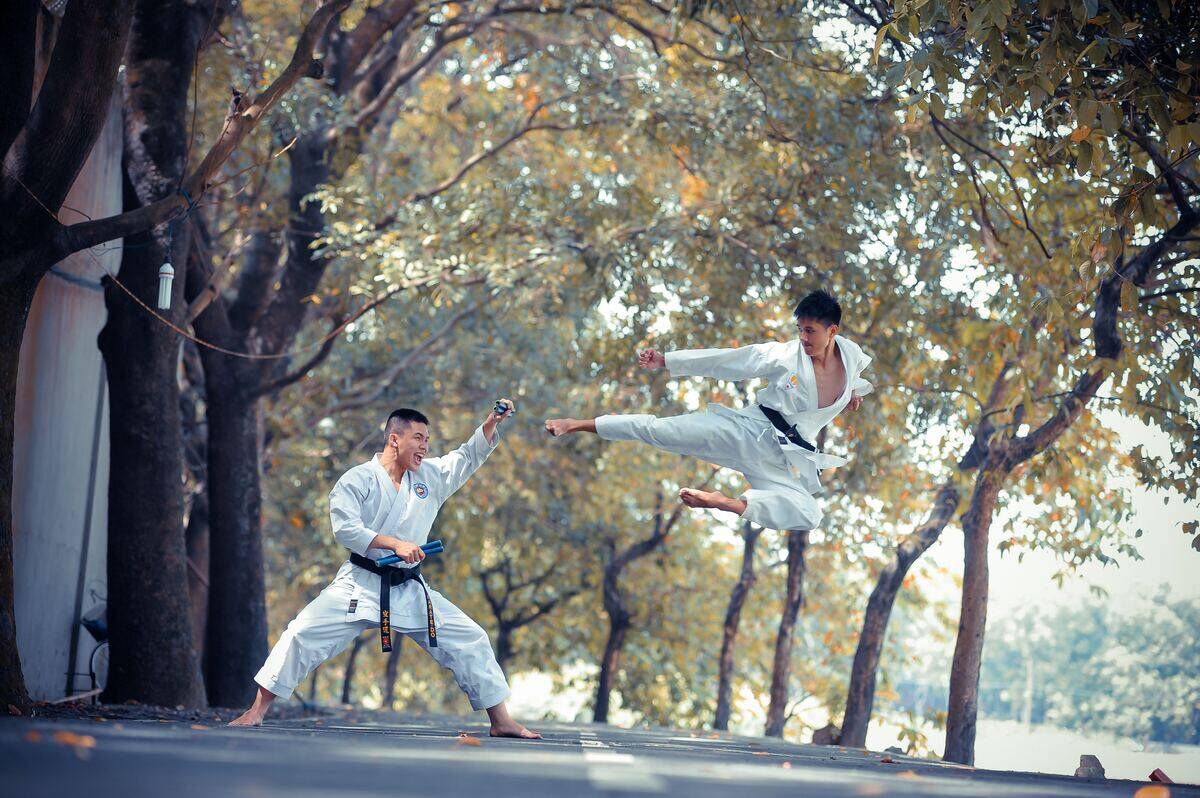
point(43, 146)
point(237, 619)
point(348, 677)
point(153, 655)
point(236, 644)
point(733, 617)
point(797, 542)
point(972, 620)
point(618, 627)
point(860, 698)
point(15, 301)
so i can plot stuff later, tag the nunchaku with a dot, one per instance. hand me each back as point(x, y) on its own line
point(431, 548)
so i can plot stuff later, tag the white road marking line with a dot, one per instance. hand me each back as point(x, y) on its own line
point(603, 776)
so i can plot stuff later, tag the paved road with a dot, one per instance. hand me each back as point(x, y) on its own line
point(312, 757)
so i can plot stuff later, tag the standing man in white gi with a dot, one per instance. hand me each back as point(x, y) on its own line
point(387, 505)
point(771, 442)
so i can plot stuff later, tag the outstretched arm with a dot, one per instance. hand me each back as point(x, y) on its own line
point(458, 466)
point(743, 363)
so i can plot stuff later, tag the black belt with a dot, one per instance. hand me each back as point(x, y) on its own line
point(788, 431)
point(394, 576)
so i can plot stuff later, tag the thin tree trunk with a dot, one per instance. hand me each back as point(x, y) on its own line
point(968, 647)
point(733, 617)
point(389, 673)
point(860, 698)
point(348, 678)
point(617, 629)
point(504, 644)
point(797, 542)
point(15, 301)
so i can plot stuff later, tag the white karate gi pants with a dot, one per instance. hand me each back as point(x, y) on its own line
point(324, 629)
point(776, 498)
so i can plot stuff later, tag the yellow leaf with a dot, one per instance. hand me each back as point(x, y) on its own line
point(1080, 134)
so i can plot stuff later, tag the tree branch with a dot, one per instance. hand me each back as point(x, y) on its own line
point(394, 372)
point(939, 123)
point(71, 106)
point(1166, 169)
point(335, 332)
point(303, 64)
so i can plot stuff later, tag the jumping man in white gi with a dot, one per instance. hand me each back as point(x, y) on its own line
point(387, 505)
point(771, 442)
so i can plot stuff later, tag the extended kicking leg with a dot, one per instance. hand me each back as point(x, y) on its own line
point(713, 499)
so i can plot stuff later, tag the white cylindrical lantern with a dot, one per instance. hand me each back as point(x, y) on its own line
point(166, 274)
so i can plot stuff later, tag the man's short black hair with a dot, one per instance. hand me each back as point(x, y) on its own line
point(821, 306)
point(400, 419)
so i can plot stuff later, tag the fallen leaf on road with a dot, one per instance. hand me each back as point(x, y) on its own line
point(887, 760)
point(1153, 791)
point(100, 720)
point(468, 739)
point(198, 727)
point(80, 743)
point(33, 736)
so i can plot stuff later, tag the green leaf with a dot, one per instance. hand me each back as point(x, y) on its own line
point(1110, 117)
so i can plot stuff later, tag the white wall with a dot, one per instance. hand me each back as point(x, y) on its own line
point(61, 452)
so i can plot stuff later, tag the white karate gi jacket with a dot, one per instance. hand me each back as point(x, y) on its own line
point(791, 389)
point(365, 503)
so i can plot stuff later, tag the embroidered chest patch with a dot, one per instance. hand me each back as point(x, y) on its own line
point(792, 382)
point(421, 489)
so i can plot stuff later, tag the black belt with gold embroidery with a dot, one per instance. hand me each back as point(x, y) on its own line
point(389, 576)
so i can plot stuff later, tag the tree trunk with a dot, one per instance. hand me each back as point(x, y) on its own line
point(196, 538)
point(15, 300)
point(236, 644)
point(860, 698)
point(618, 627)
point(389, 673)
point(348, 679)
point(503, 643)
point(797, 542)
point(733, 617)
point(972, 620)
point(153, 656)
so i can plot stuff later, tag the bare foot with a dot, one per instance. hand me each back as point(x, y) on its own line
point(557, 427)
point(251, 717)
point(714, 499)
point(514, 729)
